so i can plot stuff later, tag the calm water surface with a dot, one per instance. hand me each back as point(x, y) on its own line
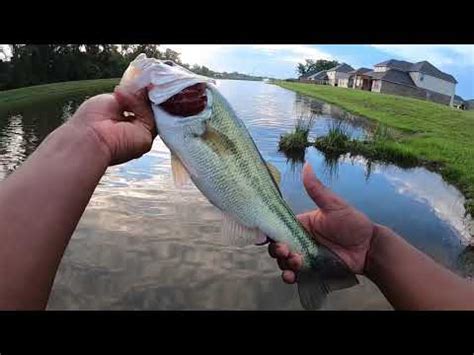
point(144, 244)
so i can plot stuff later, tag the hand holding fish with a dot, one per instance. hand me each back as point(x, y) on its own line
point(396, 267)
point(336, 225)
point(43, 200)
point(122, 136)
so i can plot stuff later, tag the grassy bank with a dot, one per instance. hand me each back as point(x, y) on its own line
point(431, 132)
point(378, 148)
point(12, 100)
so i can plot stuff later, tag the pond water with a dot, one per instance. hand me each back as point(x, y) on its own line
point(144, 244)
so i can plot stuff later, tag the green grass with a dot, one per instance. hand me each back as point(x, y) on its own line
point(12, 100)
point(297, 140)
point(379, 148)
point(439, 135)
point(336, 140)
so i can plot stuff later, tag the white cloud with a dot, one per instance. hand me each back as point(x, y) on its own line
point(266, 60)
point(204, 54)
point(201, 54)
point(439, 55)
point(294, 53)
point(4, 51)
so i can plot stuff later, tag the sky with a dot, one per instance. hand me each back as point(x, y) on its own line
point(279, 61)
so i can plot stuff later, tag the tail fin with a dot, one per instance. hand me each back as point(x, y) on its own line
point(329, 273)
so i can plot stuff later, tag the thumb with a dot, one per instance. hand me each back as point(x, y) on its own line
point(321, 195)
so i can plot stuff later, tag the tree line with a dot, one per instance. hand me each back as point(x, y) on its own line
point(310, 66)
point(33, 64)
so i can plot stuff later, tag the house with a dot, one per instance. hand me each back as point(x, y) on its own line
point(339, 75)
point(304, 77)
point(315, 77)
point(320, 77)
point(359, 80)
point(398, 77)
point(421, 80)
point(470, 104)
point(458, 102)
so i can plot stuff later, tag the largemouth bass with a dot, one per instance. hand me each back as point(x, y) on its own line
point(212, 145)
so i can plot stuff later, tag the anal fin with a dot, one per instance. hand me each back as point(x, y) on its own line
point(238, 235)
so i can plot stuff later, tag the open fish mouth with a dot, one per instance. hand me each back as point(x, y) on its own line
point(188, 102)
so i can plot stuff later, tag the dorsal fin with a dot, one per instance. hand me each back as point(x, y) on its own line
point(274, 173)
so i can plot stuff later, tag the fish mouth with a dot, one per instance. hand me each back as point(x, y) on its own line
point(188, 102)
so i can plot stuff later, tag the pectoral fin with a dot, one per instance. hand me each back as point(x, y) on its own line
point(217, 141)
point(179, 172)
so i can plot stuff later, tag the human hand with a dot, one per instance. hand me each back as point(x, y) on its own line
point(122, 137)
point(336, 225)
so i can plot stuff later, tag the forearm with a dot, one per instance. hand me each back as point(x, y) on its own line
point(40, 205)
point(411, 280)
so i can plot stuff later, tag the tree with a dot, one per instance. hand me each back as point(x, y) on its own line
point(311, 66)
point(4, 74)
point(32, 64)
point(172, 55)
point(301, 69)
point(151, 50)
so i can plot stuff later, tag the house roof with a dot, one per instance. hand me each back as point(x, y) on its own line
point(343, 68)
point(424, 67)
point(458, 98)
point(321, 75)
point(308, 74)
point(394, 76)
point(429, 69)
point(395, 64)
point(360, 71)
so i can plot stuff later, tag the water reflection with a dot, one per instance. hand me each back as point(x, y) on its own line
point(22, 131)
point(12, 152)
point(330, 167)
point(145, 244)
point(330, 115)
